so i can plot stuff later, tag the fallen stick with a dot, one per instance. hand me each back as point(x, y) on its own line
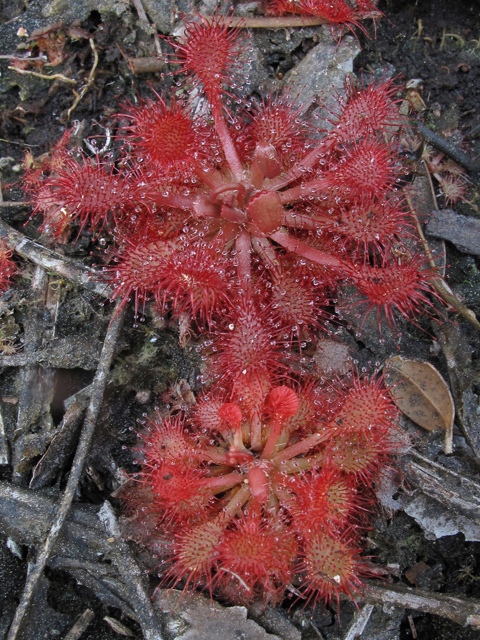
point(80, 625)
point(131, 574)
point(52, 261)
point(96, 399)
point(461, 610)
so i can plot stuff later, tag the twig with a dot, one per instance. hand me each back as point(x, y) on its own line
point(20, 203)
point(412, 627)
point(26, 515)
point(439, 487)
point(22, 144)
point(359, 623)
point(131, 574)
point(4, 452)
point(145, 65)
point(449, 149)
point(438, 283)
point(430, 184)
point(36, 386)
point(317, 632)
point(54, 76)
point(158, 46)
point(5, 56)
point(444, 291)
point(60, 449)
point(90, 81)
point(51, 261)
point(56, 356)
point(118, 627)
point(93, 149)
point(109, 590)
point(82, 548)
point(461, 610)
point(98, 388)
point(462, 481)
point(144, 18)
point(140, 10)
point(80, 625)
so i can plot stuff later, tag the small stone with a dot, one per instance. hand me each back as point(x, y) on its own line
point(462, 231)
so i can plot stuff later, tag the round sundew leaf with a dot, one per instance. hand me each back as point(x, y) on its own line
point(283, 401)
point(330, 566)
point(256, 555)
point(196, 549)
point(231, 414)
point(358, 455)
point(421, 393)
point(207, 416)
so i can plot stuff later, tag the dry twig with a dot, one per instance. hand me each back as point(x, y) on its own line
point(448, 487)
point(36, 385)
point(50, 260)
point(438, 283)
point(90, 81)
point(4, 450)
point(131, 574)
point(449, 149)
point(461, 610)
point(98, 388)
point(285, 22)
point(359, 623)
point(145, 65)
point(80, 625)
point(54, 76)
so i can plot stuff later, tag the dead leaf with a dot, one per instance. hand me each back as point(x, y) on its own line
point(414, 571)
point(421, 393)
point(43, 31)
point(76, 33)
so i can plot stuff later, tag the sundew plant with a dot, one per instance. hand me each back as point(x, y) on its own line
point(241, 219)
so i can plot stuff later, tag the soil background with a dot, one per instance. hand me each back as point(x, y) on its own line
point(435, 41)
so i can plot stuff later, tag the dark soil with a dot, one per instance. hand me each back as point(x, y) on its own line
point(437, 41)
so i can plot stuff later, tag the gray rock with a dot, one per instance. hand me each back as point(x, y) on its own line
point(324, 67)
point(165, 14)
point(274, 620)
point(71, 10)
point(195, 617)
point(437, 521)
point(464, 232)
